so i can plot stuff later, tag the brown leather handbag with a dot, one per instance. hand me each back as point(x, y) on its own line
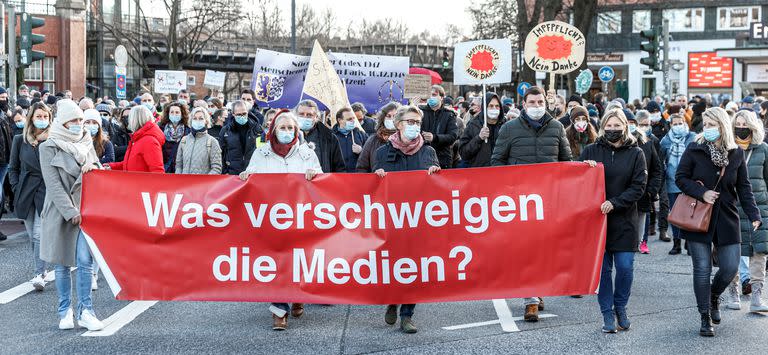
point(691, 214)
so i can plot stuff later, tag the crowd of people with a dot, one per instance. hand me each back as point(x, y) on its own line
point(653, 151)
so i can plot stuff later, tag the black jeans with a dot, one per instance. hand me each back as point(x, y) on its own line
point(701, 256)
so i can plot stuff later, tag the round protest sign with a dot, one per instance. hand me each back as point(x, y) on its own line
point(481, 62)
point(554, 47)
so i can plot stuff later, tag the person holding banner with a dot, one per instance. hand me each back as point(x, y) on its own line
point(64, 158)
point(405, 151)
point(174, 125)
point(350, 137)
point(625, 179)
point(286, 152)
point(238, 139)
point(104, 148)
point(439, 128)
point(199, 152)
point(713, 169)
point(477, 141)
point(145, 150)
point(320, 137)
point(27, 182)
point(385, 127)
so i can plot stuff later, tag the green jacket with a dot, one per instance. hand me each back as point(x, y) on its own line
point(757, 170)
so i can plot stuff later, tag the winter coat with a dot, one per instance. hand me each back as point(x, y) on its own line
point(660, 129)
point(671, 163)
point(369, 125)
point(169, 150)
point(442, 125)
point(63, 181)
point(119, 138)
point(696, 165)
point(26, 178)
point(145, 151)
point(235, 156)
point(757, 169)
point(298, 160)
point(108, 155)
point(368, 156)
point(327, 148)
point(654, 170)
point(475, 151)
point(625, 180)
point(345, 143)
point(390, 159)
point(198, 154)
point(519, 143)
point(6, 140)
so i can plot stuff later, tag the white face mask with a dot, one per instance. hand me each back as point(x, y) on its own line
point(656, 117)
point(493, 113)
point(389, 124)
point(535, 112)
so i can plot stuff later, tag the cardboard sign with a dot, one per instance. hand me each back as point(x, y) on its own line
point(482, 62)
point(170, 81)
point(554, 47)
point(417, 85)
point(214, 79)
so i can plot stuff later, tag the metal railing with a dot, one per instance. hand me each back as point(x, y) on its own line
point(35, 7)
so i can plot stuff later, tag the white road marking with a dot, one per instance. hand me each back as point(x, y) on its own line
point(25, 288)
point(492, 322)
point(505, 316)
point(121, 318)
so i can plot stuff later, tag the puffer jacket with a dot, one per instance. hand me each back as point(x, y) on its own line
point(757, 169)
point(520, 143)
point(298, 160)
point(145, 151)
point(198, 154)
point(235, 155)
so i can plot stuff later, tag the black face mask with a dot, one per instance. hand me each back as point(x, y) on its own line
point(742, 132)
point(4, 104)
point(613, 135)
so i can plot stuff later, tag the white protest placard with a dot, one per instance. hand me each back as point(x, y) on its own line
point(554, 47)
point(170, 81)
point(214, 79)
point(417, 85)
point(482, 62)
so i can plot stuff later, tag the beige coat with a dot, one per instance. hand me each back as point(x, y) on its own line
point(63, 181)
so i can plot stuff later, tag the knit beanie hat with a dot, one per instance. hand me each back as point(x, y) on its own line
point(92, 114)
point(67, 110)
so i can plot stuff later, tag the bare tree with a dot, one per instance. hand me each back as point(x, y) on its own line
point(494, 19)
point(265, 23)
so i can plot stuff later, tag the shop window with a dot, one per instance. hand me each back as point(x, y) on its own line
point(641, 20)
point(685, 20)
point(737, 18)
point(609, 22)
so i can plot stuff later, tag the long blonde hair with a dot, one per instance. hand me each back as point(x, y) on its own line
point(719, 115)
point(754, 124)
point(619, 114)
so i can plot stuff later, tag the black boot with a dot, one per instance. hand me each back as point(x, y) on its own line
point(663, 236)
point(706, 326)
point(714, 308)
point(675, 247)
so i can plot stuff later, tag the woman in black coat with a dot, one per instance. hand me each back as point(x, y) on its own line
point(385, 127)
point(653, 166)
point(625, 179)
point(405, 151)
point(714, 151)
point(27, 181)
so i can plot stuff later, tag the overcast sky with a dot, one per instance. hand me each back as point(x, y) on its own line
point(418, 15)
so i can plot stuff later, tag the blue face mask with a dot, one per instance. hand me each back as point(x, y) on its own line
point(433, 102)
point(305, 124)
point(20, 124)
point(149, 106)
point(241, 120)
point(182, 101)
point(632, 128)
point(412, 131)
point(711, 134)
point(40, 124)
point(197, 125)
point(93, 129)
point(75, 128)
point(285, 137)
point(174, 118)
point(680, 130)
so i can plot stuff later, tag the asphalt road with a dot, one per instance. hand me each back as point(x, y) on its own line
point(662, 310)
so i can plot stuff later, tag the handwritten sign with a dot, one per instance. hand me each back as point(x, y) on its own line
point(170, 81)
point(417, 85)
point(554, 47)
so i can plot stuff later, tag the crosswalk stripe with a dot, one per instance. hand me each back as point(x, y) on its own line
point(505, 316)
point(122, 317)
point(25, 288)
point(491, 322)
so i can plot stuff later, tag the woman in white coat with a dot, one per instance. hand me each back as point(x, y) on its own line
point(285, 152)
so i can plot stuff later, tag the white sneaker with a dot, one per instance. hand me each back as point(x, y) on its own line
point(50, 276)
point(94, 282)
point(38, 282)
point(68, 322)
point(88, 320)
point(731, 297)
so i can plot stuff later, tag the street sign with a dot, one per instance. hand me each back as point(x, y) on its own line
point(606, 74)
point(120, 82)
point(522, 88)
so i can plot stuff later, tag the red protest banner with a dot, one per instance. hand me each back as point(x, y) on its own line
point(409, 237)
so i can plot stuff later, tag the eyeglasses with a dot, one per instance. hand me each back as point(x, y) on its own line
point(412, 122)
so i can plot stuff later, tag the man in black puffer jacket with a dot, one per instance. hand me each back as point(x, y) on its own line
point(439, 127)
point(535, 137)
point(238, 139)
point(320, 137)
point(477, 141)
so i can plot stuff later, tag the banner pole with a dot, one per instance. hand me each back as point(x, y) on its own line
point(485, 111)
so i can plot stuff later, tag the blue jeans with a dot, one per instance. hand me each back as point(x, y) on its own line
point(83, 282)
point(744, 268)
point(615, 294)
point(32, 224)
point(728, 265)
point(675, 230)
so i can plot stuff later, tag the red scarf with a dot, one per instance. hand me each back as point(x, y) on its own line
point(409, 148)
point(277, 147)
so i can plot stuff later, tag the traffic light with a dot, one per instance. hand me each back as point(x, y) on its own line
point(652, 47)
point(29, 39)
point(446, 59)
